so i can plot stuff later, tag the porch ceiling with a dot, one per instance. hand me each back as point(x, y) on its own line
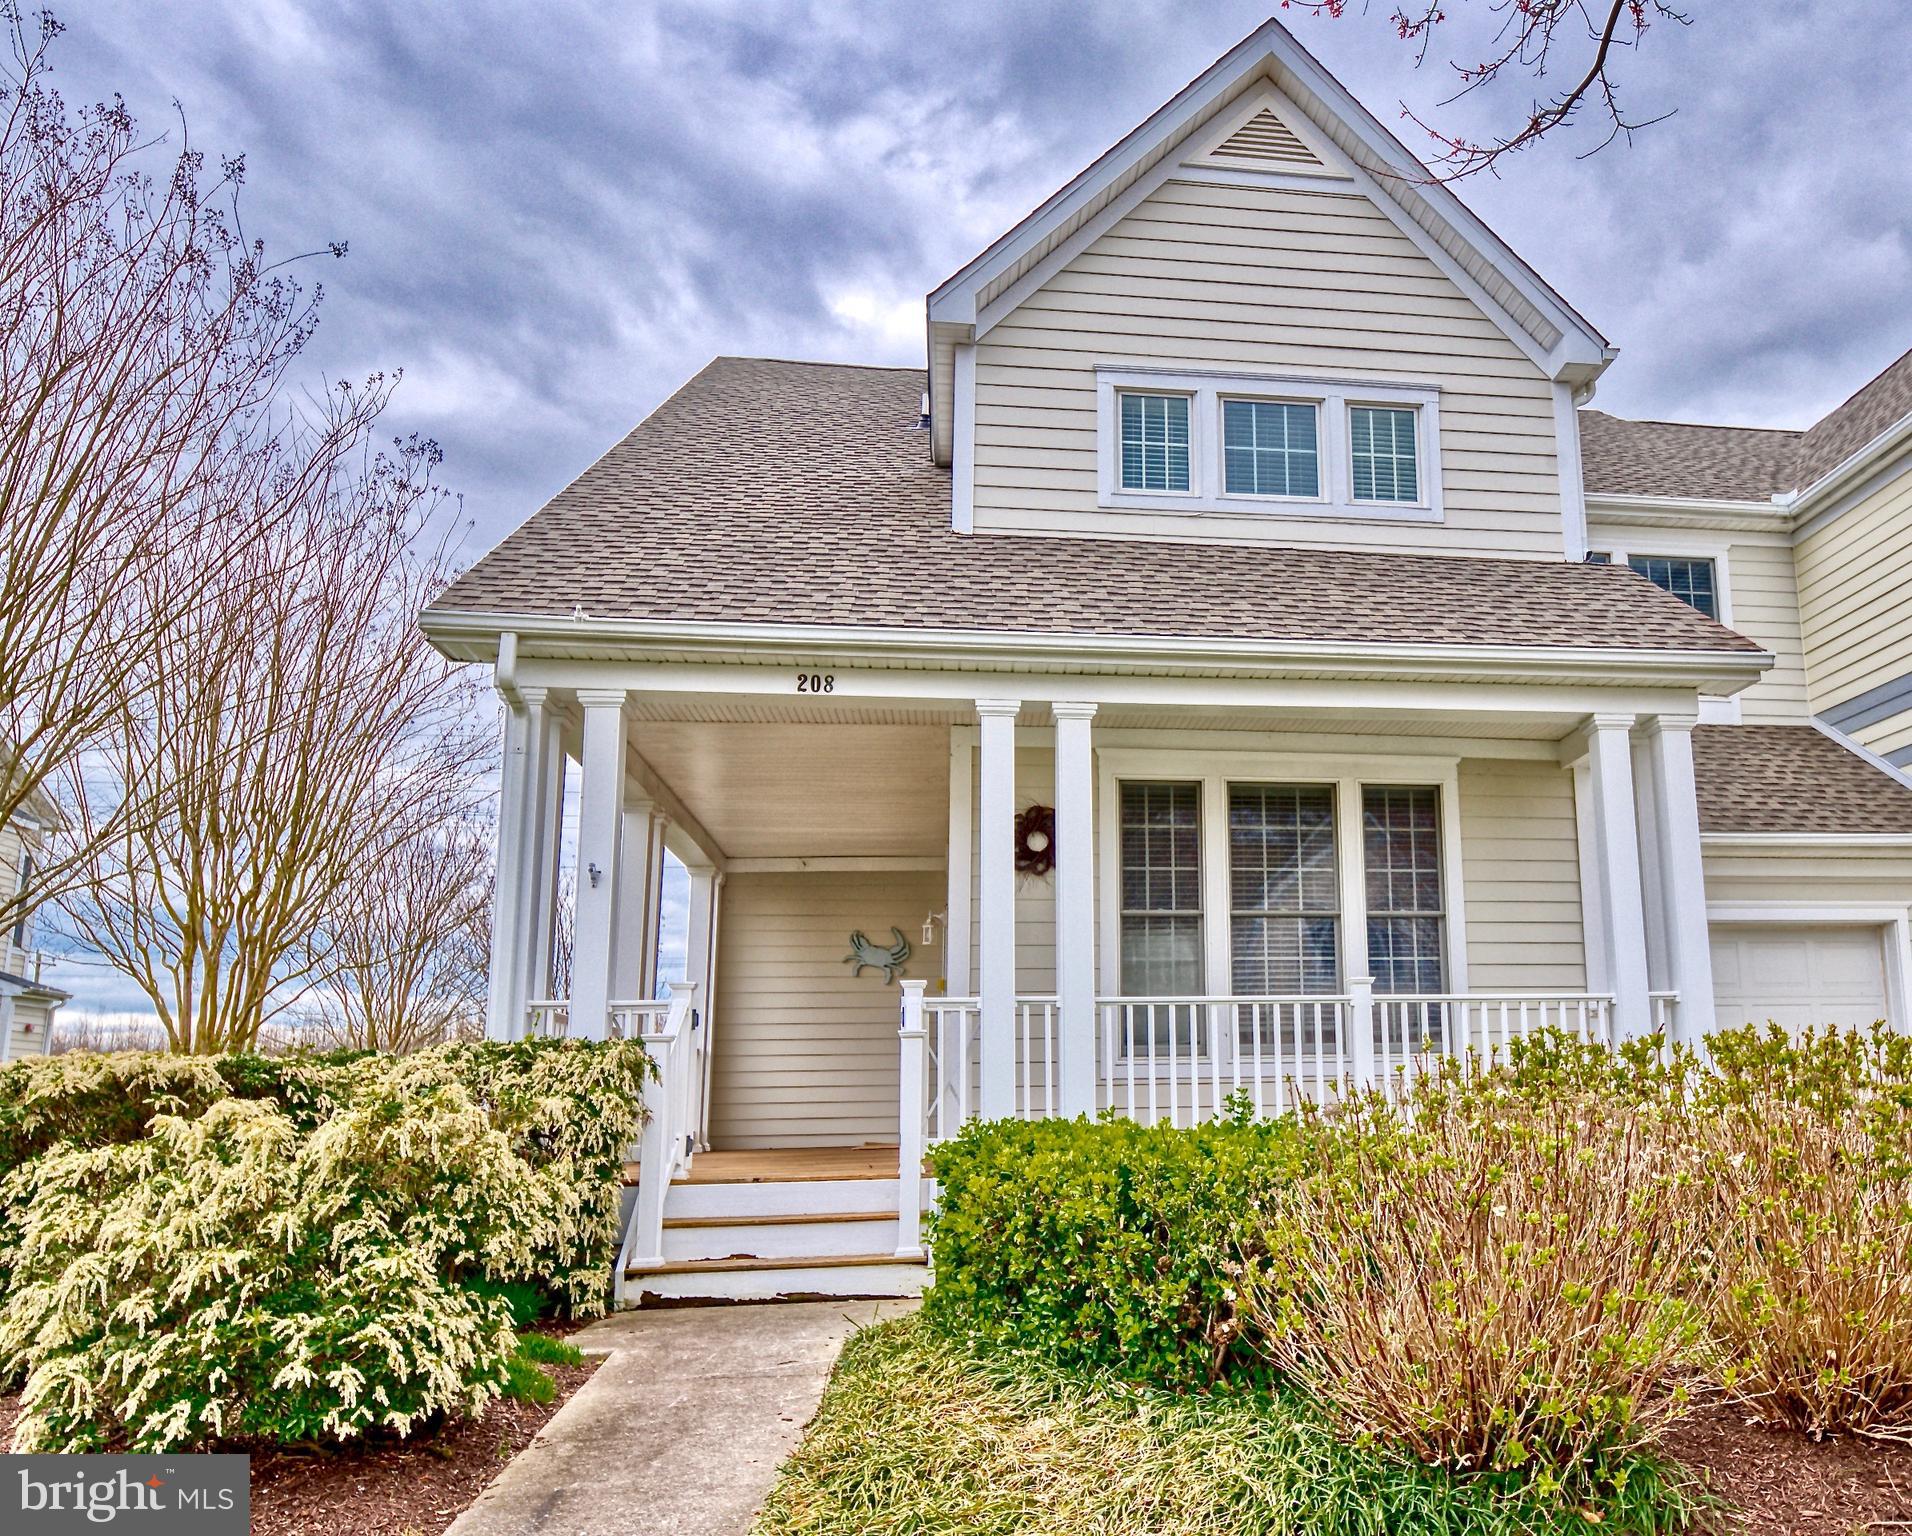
point(799, 790)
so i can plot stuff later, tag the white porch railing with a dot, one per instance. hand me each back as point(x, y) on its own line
point(673, 1034)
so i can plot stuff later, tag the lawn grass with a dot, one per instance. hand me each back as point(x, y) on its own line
point(919, 1435)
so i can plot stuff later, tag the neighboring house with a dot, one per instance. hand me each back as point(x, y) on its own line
point(27, 1004)
point(1221, 671)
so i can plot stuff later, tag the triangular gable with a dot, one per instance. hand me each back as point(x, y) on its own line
point(1339, 133)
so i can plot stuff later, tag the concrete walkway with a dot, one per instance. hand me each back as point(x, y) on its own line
point(683, 1426)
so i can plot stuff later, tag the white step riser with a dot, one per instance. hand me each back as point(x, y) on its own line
point(772, 1284)
point(819, 1239)
point(816, 1197)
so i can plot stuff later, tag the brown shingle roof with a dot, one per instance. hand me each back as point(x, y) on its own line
point(1843, 432)
point(1682, 459)
point(1792, 778)
point(803, 493)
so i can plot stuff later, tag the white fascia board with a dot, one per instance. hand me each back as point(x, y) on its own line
point(1271, 49)
point(1689, 512)
point(1782, 841)
point(1729, 669)
point(1837, 492)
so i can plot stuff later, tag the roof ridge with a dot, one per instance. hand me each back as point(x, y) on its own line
point(819, 362)
point(1862, 389)
point(1702, 426)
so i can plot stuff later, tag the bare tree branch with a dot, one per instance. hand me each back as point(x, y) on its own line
point(1531, 37)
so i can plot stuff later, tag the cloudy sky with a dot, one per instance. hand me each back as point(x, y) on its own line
point(557, 212)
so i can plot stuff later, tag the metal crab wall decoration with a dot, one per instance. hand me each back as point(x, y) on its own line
point(865, 955)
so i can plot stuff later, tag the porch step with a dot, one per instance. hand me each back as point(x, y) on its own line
point(775, 1279)
point(799, 1236)
point(690, 1199)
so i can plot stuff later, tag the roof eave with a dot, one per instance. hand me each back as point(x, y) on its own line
point(476, 636)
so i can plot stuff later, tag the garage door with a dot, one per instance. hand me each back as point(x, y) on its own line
point(1798, 976)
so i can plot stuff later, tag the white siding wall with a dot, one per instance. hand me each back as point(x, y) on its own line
point(1035, 894)
point(1255, 278)
point(1857, 876)
point(1521, 863)
point(30, 1031)
point(805, 1054)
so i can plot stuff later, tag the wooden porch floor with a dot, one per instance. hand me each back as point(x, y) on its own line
point(786, 1165)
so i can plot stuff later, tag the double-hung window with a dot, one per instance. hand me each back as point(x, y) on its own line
point(1161, 897)
point(1271, 448)
point(1385, 458)
point(1155, 445)
point(1284, 917)
point(1406, 895)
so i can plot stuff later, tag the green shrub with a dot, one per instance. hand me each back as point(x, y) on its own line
point(301, 1250)
point(1495, 1274)
point(1811, 1155)
point(225, 1278)
point(1107, 1243)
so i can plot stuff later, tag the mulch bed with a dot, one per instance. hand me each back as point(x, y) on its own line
point(414, 1487)
point(1783, 1484)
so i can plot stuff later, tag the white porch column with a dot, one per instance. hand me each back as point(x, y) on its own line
point(504, 1004)
point(1689, 951)
point(654, 908)
point(600, 861)
point(700, 969)
point(531, 777)
point(996, 831)
point(1075, 907)
point(1617, 848)
point(6, 1026)
point(547, 832)
point(631, 978)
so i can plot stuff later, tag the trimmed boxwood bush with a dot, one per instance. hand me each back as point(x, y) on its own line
point(304, 1250)
point(1107, 1243)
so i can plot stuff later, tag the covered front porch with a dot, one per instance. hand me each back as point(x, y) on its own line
point(1075, 894)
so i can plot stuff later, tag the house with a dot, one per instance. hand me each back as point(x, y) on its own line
point(27, 1004)
point(1242, 661)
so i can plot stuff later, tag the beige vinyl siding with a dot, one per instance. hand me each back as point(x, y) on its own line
point(30, 1030)
point(804, 1053)
point(1855, 876)
point(1855, 603)
point(12, 848)
point(1520, 865)
point(1255, 278)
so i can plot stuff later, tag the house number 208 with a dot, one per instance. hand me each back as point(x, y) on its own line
point(816, 682)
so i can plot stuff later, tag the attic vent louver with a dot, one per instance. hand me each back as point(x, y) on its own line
point(1266, 137)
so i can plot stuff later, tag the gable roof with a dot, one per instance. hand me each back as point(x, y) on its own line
point(1792, 779)
point(1686, 461)
point(1533, 312)
point(781, 493)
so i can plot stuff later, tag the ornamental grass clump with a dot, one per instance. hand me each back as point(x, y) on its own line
point(1494, 1275)
point(1810, 1143)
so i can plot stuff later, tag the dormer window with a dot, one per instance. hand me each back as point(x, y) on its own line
point(1189, 441)
point(1271, 448)
point(1155, 447)
point(1386, 461)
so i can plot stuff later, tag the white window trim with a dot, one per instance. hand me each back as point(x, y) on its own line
point(1205, 392)
point(1713, 711)
point(1214, 771)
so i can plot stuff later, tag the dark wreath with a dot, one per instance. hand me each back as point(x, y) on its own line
point(1036, 841)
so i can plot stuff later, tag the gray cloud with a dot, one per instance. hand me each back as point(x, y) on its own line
point(557, 213)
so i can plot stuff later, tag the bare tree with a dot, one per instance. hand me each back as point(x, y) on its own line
point(143, 343)
point(1584, 38)
point(408, 945)
point(290, 733)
